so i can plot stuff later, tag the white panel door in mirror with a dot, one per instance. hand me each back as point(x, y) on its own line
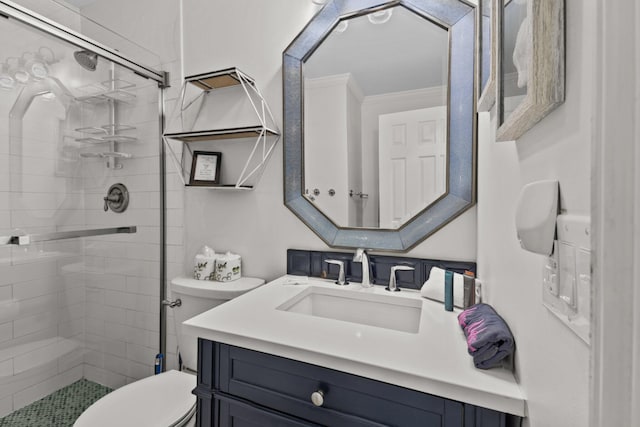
point(412, 152)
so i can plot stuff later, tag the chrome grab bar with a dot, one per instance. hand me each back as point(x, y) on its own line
point(60, 235)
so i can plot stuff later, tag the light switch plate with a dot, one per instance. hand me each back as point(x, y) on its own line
point(569, 296)
point(550, 274)
point(567, 261)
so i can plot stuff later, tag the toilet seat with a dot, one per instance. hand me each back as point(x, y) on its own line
point(160, 400)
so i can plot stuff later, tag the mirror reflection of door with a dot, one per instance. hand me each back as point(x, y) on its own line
point(384, 62)
point(412, 153)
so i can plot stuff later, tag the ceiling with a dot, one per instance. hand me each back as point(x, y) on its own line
point(405, 53)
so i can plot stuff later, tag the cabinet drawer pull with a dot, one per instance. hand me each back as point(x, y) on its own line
point(317, 398)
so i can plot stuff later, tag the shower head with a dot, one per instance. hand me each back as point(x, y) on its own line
point(87, 59)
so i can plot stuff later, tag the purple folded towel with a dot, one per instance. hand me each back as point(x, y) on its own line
point(489, 339)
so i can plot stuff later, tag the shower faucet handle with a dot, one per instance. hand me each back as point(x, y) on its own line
point(117, 198)
point(111, 198)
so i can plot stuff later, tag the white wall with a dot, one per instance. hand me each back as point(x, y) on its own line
point(354, 154)
point(328, 124)
point(251, 35)
point(552, 363)
point(615, 192)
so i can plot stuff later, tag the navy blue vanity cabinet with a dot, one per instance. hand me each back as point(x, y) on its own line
point(240, 387)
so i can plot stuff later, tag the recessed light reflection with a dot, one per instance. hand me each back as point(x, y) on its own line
point(31, 65)
point(342, 26)
point(35, 65)
point(380, 17)
point(17, 71)
point(6, 81)
point(48, 95)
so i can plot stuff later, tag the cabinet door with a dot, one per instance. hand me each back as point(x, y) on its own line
point(482, 417)
point(234, 413)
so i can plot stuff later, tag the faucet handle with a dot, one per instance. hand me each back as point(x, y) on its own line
point(393, 286)
point(341, 279)
point(362, 256)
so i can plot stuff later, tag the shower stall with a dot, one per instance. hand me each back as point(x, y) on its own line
point(81, 208)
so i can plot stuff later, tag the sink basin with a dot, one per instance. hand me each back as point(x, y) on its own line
point(381, 311)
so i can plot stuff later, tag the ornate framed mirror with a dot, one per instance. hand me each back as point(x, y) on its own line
point(379, 121)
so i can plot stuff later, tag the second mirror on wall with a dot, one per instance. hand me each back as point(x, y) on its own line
point(521, 62)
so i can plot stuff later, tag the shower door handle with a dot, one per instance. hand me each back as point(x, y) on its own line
point(60, 235)
point(15, 240)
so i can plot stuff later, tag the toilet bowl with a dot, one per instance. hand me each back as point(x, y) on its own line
point(166, 399)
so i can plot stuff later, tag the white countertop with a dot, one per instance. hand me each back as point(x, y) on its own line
point(434, 360)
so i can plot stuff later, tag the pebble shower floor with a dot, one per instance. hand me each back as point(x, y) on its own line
point(59, 409)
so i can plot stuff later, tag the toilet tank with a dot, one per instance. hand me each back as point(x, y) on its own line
point(198, 296)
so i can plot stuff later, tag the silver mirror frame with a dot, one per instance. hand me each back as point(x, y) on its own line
point(459, 19)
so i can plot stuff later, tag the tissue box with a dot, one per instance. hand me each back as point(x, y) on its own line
point(228, 267)
point(204, 267)
point(204, 264)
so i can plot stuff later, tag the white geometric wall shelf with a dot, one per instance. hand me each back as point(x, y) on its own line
point(223, 112)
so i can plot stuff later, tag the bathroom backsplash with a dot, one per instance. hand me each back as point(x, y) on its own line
point(311, 263)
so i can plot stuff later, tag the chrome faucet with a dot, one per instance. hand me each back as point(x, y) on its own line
point(362, 256)
point(393, 286)
point(341, 278)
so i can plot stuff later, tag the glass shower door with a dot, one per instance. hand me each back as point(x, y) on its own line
point(79, 281)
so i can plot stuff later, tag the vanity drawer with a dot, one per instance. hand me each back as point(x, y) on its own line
point(286, 386)
point(231, 412)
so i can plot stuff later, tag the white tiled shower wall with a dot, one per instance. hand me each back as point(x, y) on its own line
point(122, 272)
point(41, 302)
point(83, 308)
point(161, 35)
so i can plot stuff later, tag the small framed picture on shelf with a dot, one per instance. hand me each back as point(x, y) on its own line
point(205, 168)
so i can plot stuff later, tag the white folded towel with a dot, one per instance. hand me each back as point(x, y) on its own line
point(433, 288)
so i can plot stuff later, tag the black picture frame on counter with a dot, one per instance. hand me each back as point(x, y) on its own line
point(205, 168)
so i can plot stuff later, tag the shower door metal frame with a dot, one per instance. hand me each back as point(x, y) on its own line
point(10, 10)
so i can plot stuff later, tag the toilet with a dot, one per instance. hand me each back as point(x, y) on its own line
point(166, 399)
